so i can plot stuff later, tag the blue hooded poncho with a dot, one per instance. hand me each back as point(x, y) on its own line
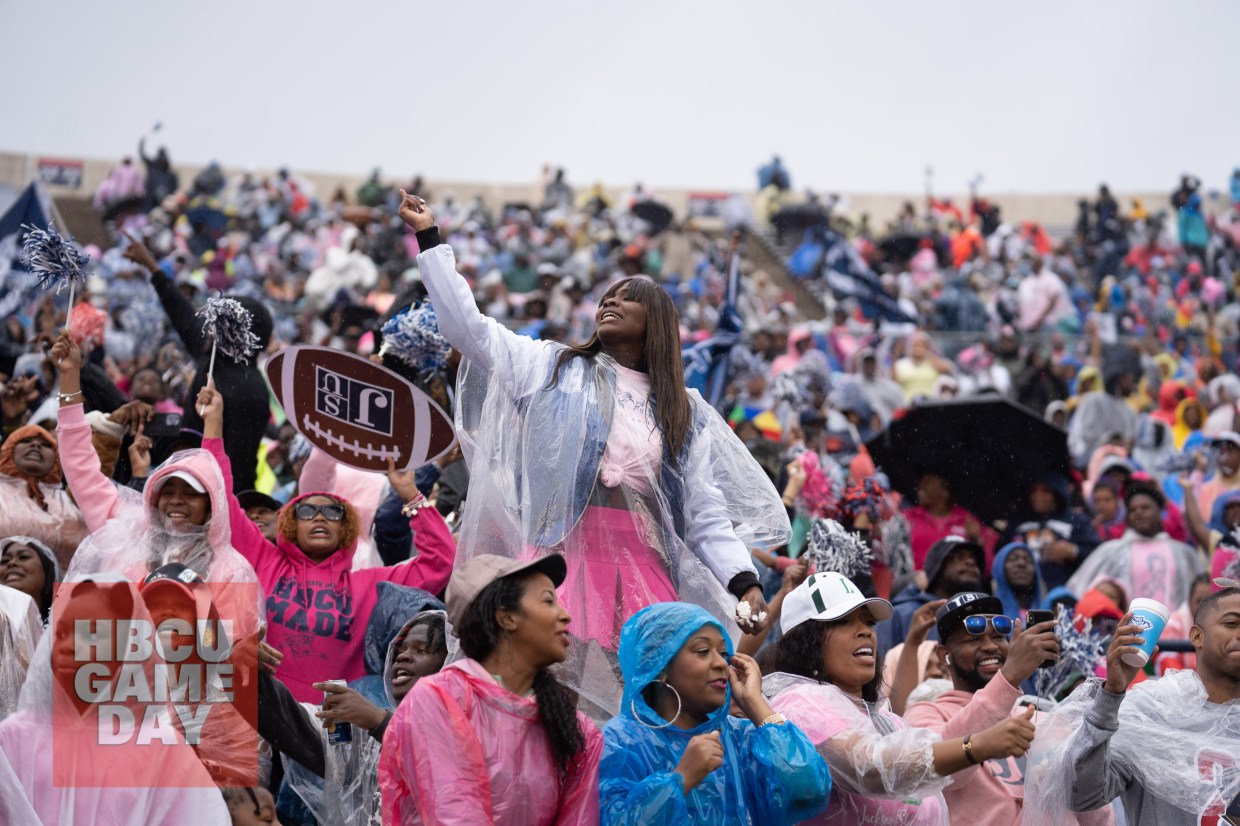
point(770, 775)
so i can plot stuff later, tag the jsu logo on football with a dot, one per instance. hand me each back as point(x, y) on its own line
point(353, 402)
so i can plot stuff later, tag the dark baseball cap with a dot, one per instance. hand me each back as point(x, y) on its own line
point(257, 499)
point(966, 604)
point(470, 579)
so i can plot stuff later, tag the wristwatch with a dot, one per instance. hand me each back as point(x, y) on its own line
point(775, 719)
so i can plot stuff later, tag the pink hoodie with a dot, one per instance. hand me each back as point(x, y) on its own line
point(994, 792)
point(125, 514)
point(317, 613)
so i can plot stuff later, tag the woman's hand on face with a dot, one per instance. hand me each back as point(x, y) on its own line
point(745, 678)
point(415, 213)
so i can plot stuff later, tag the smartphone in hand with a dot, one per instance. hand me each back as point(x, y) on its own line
point(1039, 616)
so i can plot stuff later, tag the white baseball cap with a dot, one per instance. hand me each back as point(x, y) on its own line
point(827, 597)
point(189, 479)
point(1226, 436)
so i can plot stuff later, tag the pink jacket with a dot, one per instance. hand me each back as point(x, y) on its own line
point(317, 613)
point(461, 750)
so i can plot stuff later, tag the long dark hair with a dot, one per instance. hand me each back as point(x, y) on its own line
point(480, 634)
point(800, 652)
point(661, 349)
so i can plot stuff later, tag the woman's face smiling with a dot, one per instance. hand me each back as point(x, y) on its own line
point(699, 673)
point(181, 505)
point(619, 319)
point(21, 568)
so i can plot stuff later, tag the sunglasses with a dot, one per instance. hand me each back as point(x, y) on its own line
point(976, 624)
point(332, 513)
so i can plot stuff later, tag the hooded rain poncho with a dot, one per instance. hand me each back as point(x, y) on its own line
point(463, 750)
point(770, 775)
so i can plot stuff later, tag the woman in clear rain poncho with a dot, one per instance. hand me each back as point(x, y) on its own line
point(674, 755)
point(20, 630)
point(826, 681)
point(29, 566)
point(32, 500)
point(493, 738)
point(600, 453)
point(181, 515)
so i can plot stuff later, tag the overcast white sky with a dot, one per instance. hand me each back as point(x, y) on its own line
point(1047, 96)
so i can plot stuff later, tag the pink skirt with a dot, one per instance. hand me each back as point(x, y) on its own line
point(613, 572)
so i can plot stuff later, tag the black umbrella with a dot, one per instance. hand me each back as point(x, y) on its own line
point(990, 451)
point(653, 213)
point(900, 248)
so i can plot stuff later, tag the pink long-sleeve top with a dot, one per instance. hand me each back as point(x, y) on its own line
point(317, 612)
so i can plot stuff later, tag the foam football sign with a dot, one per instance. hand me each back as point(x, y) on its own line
point(358, 412)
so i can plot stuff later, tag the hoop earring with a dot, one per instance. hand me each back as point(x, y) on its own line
point(633, 709)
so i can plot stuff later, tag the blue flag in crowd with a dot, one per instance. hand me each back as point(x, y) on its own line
point(828, 255)
point(706, 363)
point(32, 207)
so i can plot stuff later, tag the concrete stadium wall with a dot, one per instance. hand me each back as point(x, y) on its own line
point(1052, 210)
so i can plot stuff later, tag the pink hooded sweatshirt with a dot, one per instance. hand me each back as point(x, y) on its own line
point(463, 750)
point(103, 505)
point(317, 612)
point(993, 792)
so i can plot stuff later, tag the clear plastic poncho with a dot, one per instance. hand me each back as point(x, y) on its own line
point(550, 470)
point(882, 771)
point(770, 774)
point(136, 539)
point(1172, 744)
point(348, 793)
point(20, 631)
point(1157, 567)
point(28, 791)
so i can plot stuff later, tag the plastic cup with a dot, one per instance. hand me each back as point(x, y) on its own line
point(1151, 615)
